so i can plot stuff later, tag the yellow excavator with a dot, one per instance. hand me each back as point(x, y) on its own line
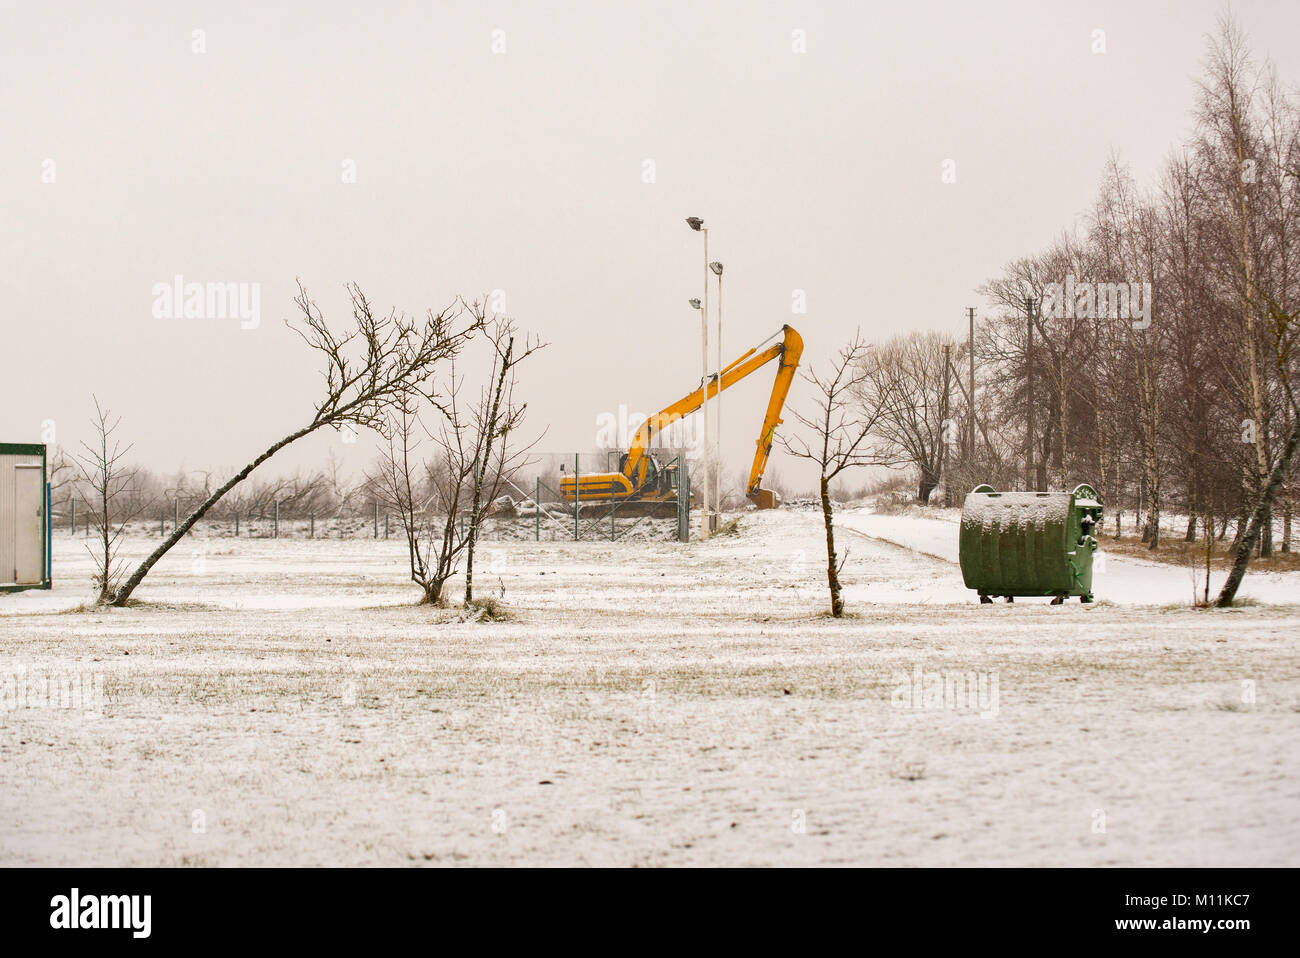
point(646, 486)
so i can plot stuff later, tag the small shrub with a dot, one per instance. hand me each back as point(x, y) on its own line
point(731, 528)
point(487, 609)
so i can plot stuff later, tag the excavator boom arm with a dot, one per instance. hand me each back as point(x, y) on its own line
point(789, 350)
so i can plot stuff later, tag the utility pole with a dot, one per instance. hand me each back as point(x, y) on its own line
point(943, 429)
point(970, 346)
point(1029, 393)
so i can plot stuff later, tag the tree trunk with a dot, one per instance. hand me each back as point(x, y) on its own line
point(1153, 518)
point(476, 510)
point(1286, 503)
point(1209, 553)
point(929, 480)
point(433, 592)
point(1238, 529)
point(832, 566)
point(1065, 419)
point(1286, 515)
point(108, 557)
point(1262, 511)
point(178, 533)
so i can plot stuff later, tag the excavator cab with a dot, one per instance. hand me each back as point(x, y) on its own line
point(661, 481)
point(652, 471)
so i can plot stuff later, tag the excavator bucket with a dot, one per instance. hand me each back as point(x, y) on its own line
point(765, 498)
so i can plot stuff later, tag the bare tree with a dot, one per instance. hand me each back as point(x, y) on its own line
point(369, 369)
point(902, 382)
point(1187, 411)
point(427, 495)
point(442, 499)
point(64, 477)
point(841, 425)
point(108, 483)
point(494, 418)
point(1285, 333)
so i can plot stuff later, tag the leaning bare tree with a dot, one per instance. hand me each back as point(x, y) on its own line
point(841, 426)
point(368, 370)
point(108, 485)
point(1284, 329)
point(442, 498)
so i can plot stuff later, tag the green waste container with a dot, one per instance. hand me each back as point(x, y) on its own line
point(1029, 543)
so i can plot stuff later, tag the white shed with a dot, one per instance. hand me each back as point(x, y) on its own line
point(24, 518)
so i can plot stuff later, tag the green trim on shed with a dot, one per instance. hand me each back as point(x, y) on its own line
point(22, 449)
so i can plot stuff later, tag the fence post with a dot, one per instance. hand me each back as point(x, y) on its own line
point(275, 521)
point(537, 512)
point(176, 513)
point(50, 538)
point(72, 504)
point(683, 501)
point(236, 523)
point(612, 537)
point(376, 520)
point(385, 525)
point(311, 532)
point(162, 524)
point(577, 496)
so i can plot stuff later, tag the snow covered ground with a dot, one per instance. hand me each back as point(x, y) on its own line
point(282, 702)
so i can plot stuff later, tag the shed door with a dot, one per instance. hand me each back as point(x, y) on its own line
point(29, 531)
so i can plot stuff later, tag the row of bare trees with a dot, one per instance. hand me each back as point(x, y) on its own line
point(1187, 404)
point(324, 493)
point(1149, 350)
point(385, 372)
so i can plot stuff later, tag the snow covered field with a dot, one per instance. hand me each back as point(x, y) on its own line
point(281, 702)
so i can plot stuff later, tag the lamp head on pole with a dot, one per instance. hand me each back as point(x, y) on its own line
point(695, 223)
point(695, 303)
point(717, 268)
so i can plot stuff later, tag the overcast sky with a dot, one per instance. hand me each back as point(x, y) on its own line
point(525, 171)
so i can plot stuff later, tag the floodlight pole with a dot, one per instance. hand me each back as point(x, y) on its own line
point(717, 478)
point(704, 327)
point(697, 224)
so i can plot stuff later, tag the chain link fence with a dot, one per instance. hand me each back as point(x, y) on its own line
point(535, 509)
